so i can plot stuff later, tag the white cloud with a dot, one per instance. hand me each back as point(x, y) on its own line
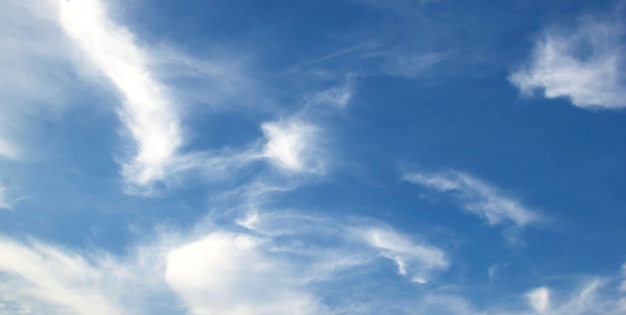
point(148, 113)
point(478, 197)
point(228, 272)
point(294, 145)
point(284, 264)
point(586, 65)
point(338, 96)
point(413, 260)
point(42, 279)
point(539, 300)
point(151, 116)
point(231, 274)
point(281, 267)
point(592, 298)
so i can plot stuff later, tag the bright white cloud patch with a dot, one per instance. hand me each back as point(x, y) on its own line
point(478, 197)
point(149, 115)
point(232, 274)
point(293, 145)
point(586, 65)
point(539, 299)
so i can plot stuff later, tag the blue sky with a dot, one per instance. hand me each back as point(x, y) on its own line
point(312, 157)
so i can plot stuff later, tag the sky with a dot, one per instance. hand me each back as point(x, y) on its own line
point(313, 157)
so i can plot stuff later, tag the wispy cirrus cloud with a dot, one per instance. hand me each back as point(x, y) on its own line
point(413, 260)
point(149, 114)
point(39, 278)
point(293, 145)
point(480, 198)
point(593, 297)
point(337, 96)
point(226, 271)
point(216, 270)
point(585, 65)
point(236, 268)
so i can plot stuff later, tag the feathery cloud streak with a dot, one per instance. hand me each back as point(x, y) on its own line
point(148, 114)
point(478, 197)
